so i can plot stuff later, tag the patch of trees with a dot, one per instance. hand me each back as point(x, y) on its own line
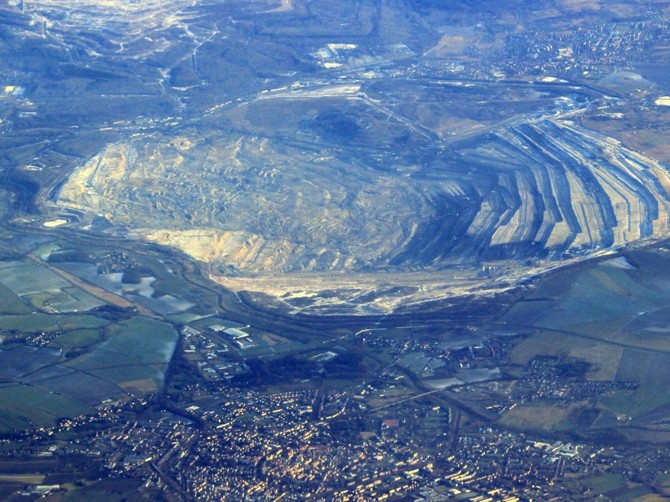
point(271, 371)
point(23, 190)
point(113, 312)
point(70, 256)
point(348, 427)
point(133, 275)
point(572, 368)
point(347, 364)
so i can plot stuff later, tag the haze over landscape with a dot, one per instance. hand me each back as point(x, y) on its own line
point(360, 250)
point(369, 164)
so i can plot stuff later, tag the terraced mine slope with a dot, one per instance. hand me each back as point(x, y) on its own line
point(344, 157)
point(539, 189)
point(256, 205)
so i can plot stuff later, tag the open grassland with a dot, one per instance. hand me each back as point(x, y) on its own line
point(63, 300)
point(89, 359)
point(11, 303)
point(37, 322)
point(137, 379)
point(133, 352)
point(43, 288)
point(79, 338)
point(83, 387)
point(635, 403)
point(160, 290)
point(143, 340)
point(107, 490)
point(30, 323)
point(602, 302)
point(625, 334)
point(662, 484)
point(212, 321)
point(22, 406)
point(26, 277)
point(23, 360)
point(614, 316)
point(593, 299)
point(645, 367)
point(272, 339)
point(28, 479)
point(606, 482)
point(538, 416)
point(604, 358)
point(107, 357)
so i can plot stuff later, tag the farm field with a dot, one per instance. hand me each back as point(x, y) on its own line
point(137, 349)
point(56, 362)
point(152, 292)
point(11, 303)
point(538, 417)
point(615, 316)
point(44, 289)
point(24, 406)
point(37, 321)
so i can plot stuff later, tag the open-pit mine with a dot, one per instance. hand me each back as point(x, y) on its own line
point(328, 199)
point(338, 158)
point(334, 250)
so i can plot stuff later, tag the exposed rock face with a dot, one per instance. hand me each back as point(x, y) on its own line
point(405, 149)
point(531, 190)
point(249, 205)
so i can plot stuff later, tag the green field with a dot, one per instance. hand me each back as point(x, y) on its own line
point(540, 417)
point(617, 320)
point(635, 403)
point(43, 385)
point(29, 323)
point(662, 484)
point(24, 406)
point(187, 317)
point(88, 357)
point(606, 482)
point(38, 321)
point(115, 358)
point(45, 250)
point(82, 322)
point(10, 303)
point(170, 283)
point(44, 289)
point(136, 379)
point(23, 360)
point(134, 350)
point(79, 338)
point(63, 300)
point(133, 342)
point(211, 321)
point(143, 340)
point(108, 490)
point(26, 278)
point(596, 296)
point(593, 294)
